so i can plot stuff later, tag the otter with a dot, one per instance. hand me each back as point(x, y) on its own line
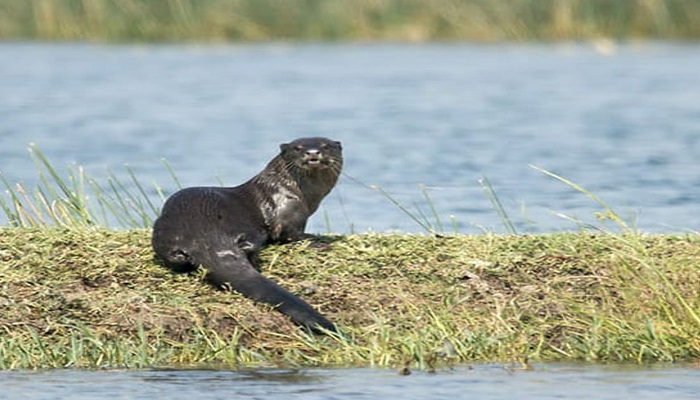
point(223, 228)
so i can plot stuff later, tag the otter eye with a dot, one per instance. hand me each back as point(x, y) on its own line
point(298, 147)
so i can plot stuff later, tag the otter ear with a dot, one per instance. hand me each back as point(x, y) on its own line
point(340, 145)
point(284, 147)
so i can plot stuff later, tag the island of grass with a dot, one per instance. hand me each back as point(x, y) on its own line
point(96, 298)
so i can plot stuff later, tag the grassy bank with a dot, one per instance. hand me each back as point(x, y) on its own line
point(404, 20)
point(87, 297)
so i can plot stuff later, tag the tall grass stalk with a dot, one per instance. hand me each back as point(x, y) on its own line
point(416, 216)
point(608, 212)
point(78, 200)
point(173, 175)
point(497, 205)
point(433, 211)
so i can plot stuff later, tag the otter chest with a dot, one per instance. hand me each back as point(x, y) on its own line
point(285, 199)
point(286, 209)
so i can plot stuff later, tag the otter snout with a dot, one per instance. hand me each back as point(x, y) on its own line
point(313, 156)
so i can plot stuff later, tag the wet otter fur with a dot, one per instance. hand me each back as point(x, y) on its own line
point(222, 228)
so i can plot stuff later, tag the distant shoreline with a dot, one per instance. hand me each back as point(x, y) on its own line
point(342, 20)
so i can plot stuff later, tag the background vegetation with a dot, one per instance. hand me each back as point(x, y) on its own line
point(400, 20)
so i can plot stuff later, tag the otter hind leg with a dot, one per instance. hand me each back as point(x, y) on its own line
point(179, 261)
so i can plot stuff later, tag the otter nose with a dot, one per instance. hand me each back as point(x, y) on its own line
point(313, 152)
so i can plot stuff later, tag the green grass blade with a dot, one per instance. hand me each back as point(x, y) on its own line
point(609, 212)
point(144, 195)
point(497, 205)
point(73, 198)
point(172, 173)
point(10, 207)
point(121, 202)
point(431, 206)
point(131, 204)
point(405, 210)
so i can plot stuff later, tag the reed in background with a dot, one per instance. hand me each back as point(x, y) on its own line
point(394, 20)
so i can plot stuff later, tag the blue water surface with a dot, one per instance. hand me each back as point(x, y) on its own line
point(547, 381)
point(416, 120)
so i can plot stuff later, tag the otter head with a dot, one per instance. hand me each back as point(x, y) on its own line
point(313, 154)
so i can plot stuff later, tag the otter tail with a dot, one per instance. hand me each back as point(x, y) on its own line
point(232, 269)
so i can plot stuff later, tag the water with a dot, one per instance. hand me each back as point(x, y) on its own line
point(625, 126)
point(479, 382)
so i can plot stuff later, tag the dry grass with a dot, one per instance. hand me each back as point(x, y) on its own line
point(97, 298)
